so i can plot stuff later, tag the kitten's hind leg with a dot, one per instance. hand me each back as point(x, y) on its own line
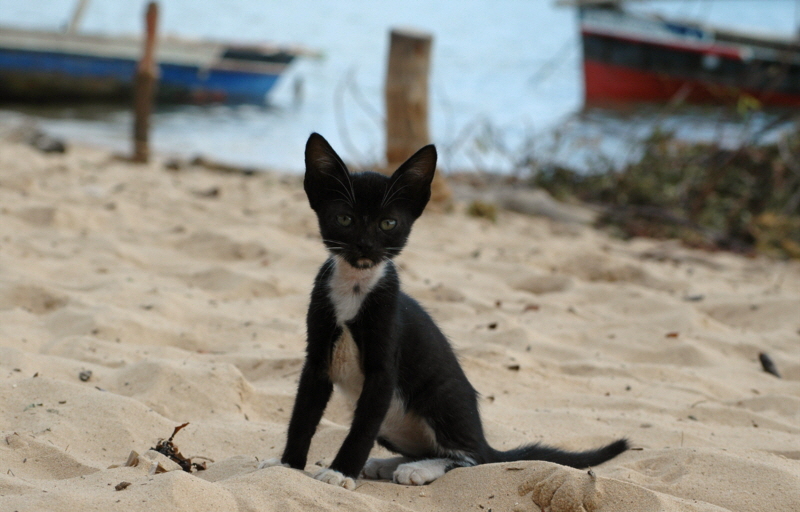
point(425, 471)
point(383, 469)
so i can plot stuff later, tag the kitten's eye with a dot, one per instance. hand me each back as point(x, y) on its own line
point(344, 220)
point(388, 224)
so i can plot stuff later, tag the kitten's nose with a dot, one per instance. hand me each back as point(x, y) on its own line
point(365, 247)
point(367, 252)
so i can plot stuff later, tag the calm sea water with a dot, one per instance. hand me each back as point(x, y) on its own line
point(504, 72)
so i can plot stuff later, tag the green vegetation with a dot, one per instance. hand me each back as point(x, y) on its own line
point(746, 199)
point(482, 209)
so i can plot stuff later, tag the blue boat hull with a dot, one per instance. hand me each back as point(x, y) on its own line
point(53, 76)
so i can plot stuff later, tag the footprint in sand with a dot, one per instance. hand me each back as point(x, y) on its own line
point(765, 315)
point(541, 284)
point(560, 489)
point(39, 216)
point(231, 285)
point(189, 389)
point(29, 453)
point(601, 268)
point(208, 245)
point(35, 299)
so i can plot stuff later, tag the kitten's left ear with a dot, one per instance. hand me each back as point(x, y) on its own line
point(412, 180)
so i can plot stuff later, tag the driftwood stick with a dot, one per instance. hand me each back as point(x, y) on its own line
point(144, 88)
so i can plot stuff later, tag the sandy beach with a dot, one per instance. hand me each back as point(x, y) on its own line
point(134, 299)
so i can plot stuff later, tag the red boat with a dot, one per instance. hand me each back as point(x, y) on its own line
point(645, 58)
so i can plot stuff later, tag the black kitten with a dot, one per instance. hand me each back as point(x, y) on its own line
point(380, 347)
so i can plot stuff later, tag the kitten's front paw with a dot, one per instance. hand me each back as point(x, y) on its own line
point(333, 477)
point(270, 463)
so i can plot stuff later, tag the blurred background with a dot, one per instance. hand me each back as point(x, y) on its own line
point(505, 80)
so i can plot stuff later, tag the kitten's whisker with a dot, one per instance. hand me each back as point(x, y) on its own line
point(348, 193)
point(345, 198)
point(387, 192)
point(349, 188)
point(394, 194)
point(335, 243)
point(350, 182)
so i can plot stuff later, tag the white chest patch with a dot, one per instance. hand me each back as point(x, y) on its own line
point(349, 286)
point(345, 369)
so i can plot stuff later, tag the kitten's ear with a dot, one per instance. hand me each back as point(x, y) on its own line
point(412, 180)
point(326, 174)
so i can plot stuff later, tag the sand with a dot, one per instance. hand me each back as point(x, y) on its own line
point(184, 294)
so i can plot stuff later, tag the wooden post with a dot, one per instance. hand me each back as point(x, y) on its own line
point(144, 88)
point(406, 93)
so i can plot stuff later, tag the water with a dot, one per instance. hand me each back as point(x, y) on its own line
point(504, 71)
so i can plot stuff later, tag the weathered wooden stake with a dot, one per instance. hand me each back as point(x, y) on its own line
point(144, 88)
point(406, 94)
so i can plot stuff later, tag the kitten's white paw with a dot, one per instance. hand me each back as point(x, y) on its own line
point(333, 477)
point(420, 472)
point(270, 463)
point(382, 469)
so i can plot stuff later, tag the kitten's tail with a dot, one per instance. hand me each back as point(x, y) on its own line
point(579, 460)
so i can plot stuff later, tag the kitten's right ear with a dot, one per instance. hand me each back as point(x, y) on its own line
point(326, 174)
point(411, 182)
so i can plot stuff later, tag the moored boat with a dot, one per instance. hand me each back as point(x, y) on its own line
point(631, 57)
point(40, 65)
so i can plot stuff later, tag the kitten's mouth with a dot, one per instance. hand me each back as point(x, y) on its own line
point(357, 263)
point(364, 263)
